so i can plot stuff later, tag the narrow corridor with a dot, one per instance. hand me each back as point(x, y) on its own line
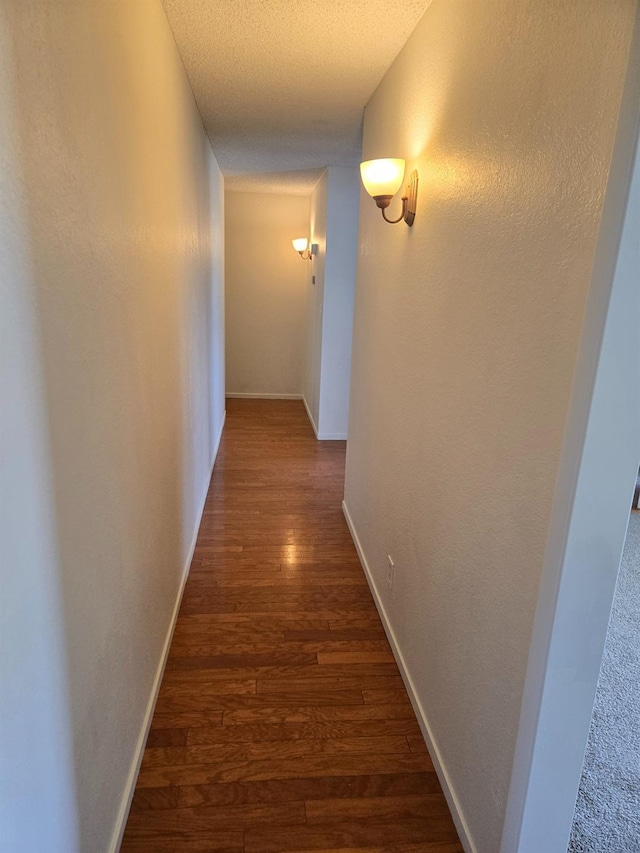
point(282, 723)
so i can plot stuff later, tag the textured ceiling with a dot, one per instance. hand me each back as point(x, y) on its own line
point(281, 84)
point(290, 183)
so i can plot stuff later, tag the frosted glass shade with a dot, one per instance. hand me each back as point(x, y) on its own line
point(382, 177)
point(300, 244)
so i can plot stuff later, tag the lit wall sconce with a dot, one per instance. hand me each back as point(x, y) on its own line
point(382, 179)
point(302, 247)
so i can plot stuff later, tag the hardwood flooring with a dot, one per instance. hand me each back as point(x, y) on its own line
point(282, 722)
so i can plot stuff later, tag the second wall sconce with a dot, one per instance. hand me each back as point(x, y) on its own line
point(302, 247)
point(382, 179)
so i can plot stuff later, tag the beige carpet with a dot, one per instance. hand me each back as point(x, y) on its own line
point(607, 816)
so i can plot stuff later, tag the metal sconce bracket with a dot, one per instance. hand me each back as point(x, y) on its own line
point(409, 202)
point(307, 254)
point(411, 198)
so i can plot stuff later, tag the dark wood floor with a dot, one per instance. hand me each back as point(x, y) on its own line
point(282, 722)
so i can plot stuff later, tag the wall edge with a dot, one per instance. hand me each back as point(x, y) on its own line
point(310, 416)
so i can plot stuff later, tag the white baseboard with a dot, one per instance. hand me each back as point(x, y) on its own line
point(125, 805)
point(322, 436)
point(310, 416)
point(434, 752)
point(241, 395)
point(216, 447)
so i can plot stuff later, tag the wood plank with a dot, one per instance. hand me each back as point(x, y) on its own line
point(181, 821)
point(237, 619)
point(256, 732)
point(347, 682)
point(276, 673)
point(205, 702)
point(362, 621)
point(171, 737)
point(301, 582)
point(345, 764)
point(385, 697)
point(149, 799)
point(348, 834)
point(318, 604)
point(416, 742)
point(185, 719)
point(220, 841)
point(212, 687)
point(376, 808)
point(319, 787)
point(331, 614)
point(400, 710)
point(248, 751)
point(420, 847)
point(216, 647)
point(326, 658)
point(372, 633)
point(238, 662)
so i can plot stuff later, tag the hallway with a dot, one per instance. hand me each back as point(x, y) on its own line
point(282, 722)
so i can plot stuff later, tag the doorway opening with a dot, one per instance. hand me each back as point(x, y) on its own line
point(607, 813)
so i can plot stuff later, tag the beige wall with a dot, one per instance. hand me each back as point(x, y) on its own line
point(111, 231)
point(265, 287)
point(340, 262)
point(314, 300)
point(329, 301)
point(465, 340)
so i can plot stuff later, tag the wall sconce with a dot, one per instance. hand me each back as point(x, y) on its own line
point(302, 247)
point(382, 179)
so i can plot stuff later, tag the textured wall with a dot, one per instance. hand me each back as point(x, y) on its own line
point(112, 267)
point(329, 303)
point(465, 341)
point(36, 761)
point(314, 298)
point(339, 291)
point(265, 281)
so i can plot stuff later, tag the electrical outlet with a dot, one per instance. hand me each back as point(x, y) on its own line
point(391, 568)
